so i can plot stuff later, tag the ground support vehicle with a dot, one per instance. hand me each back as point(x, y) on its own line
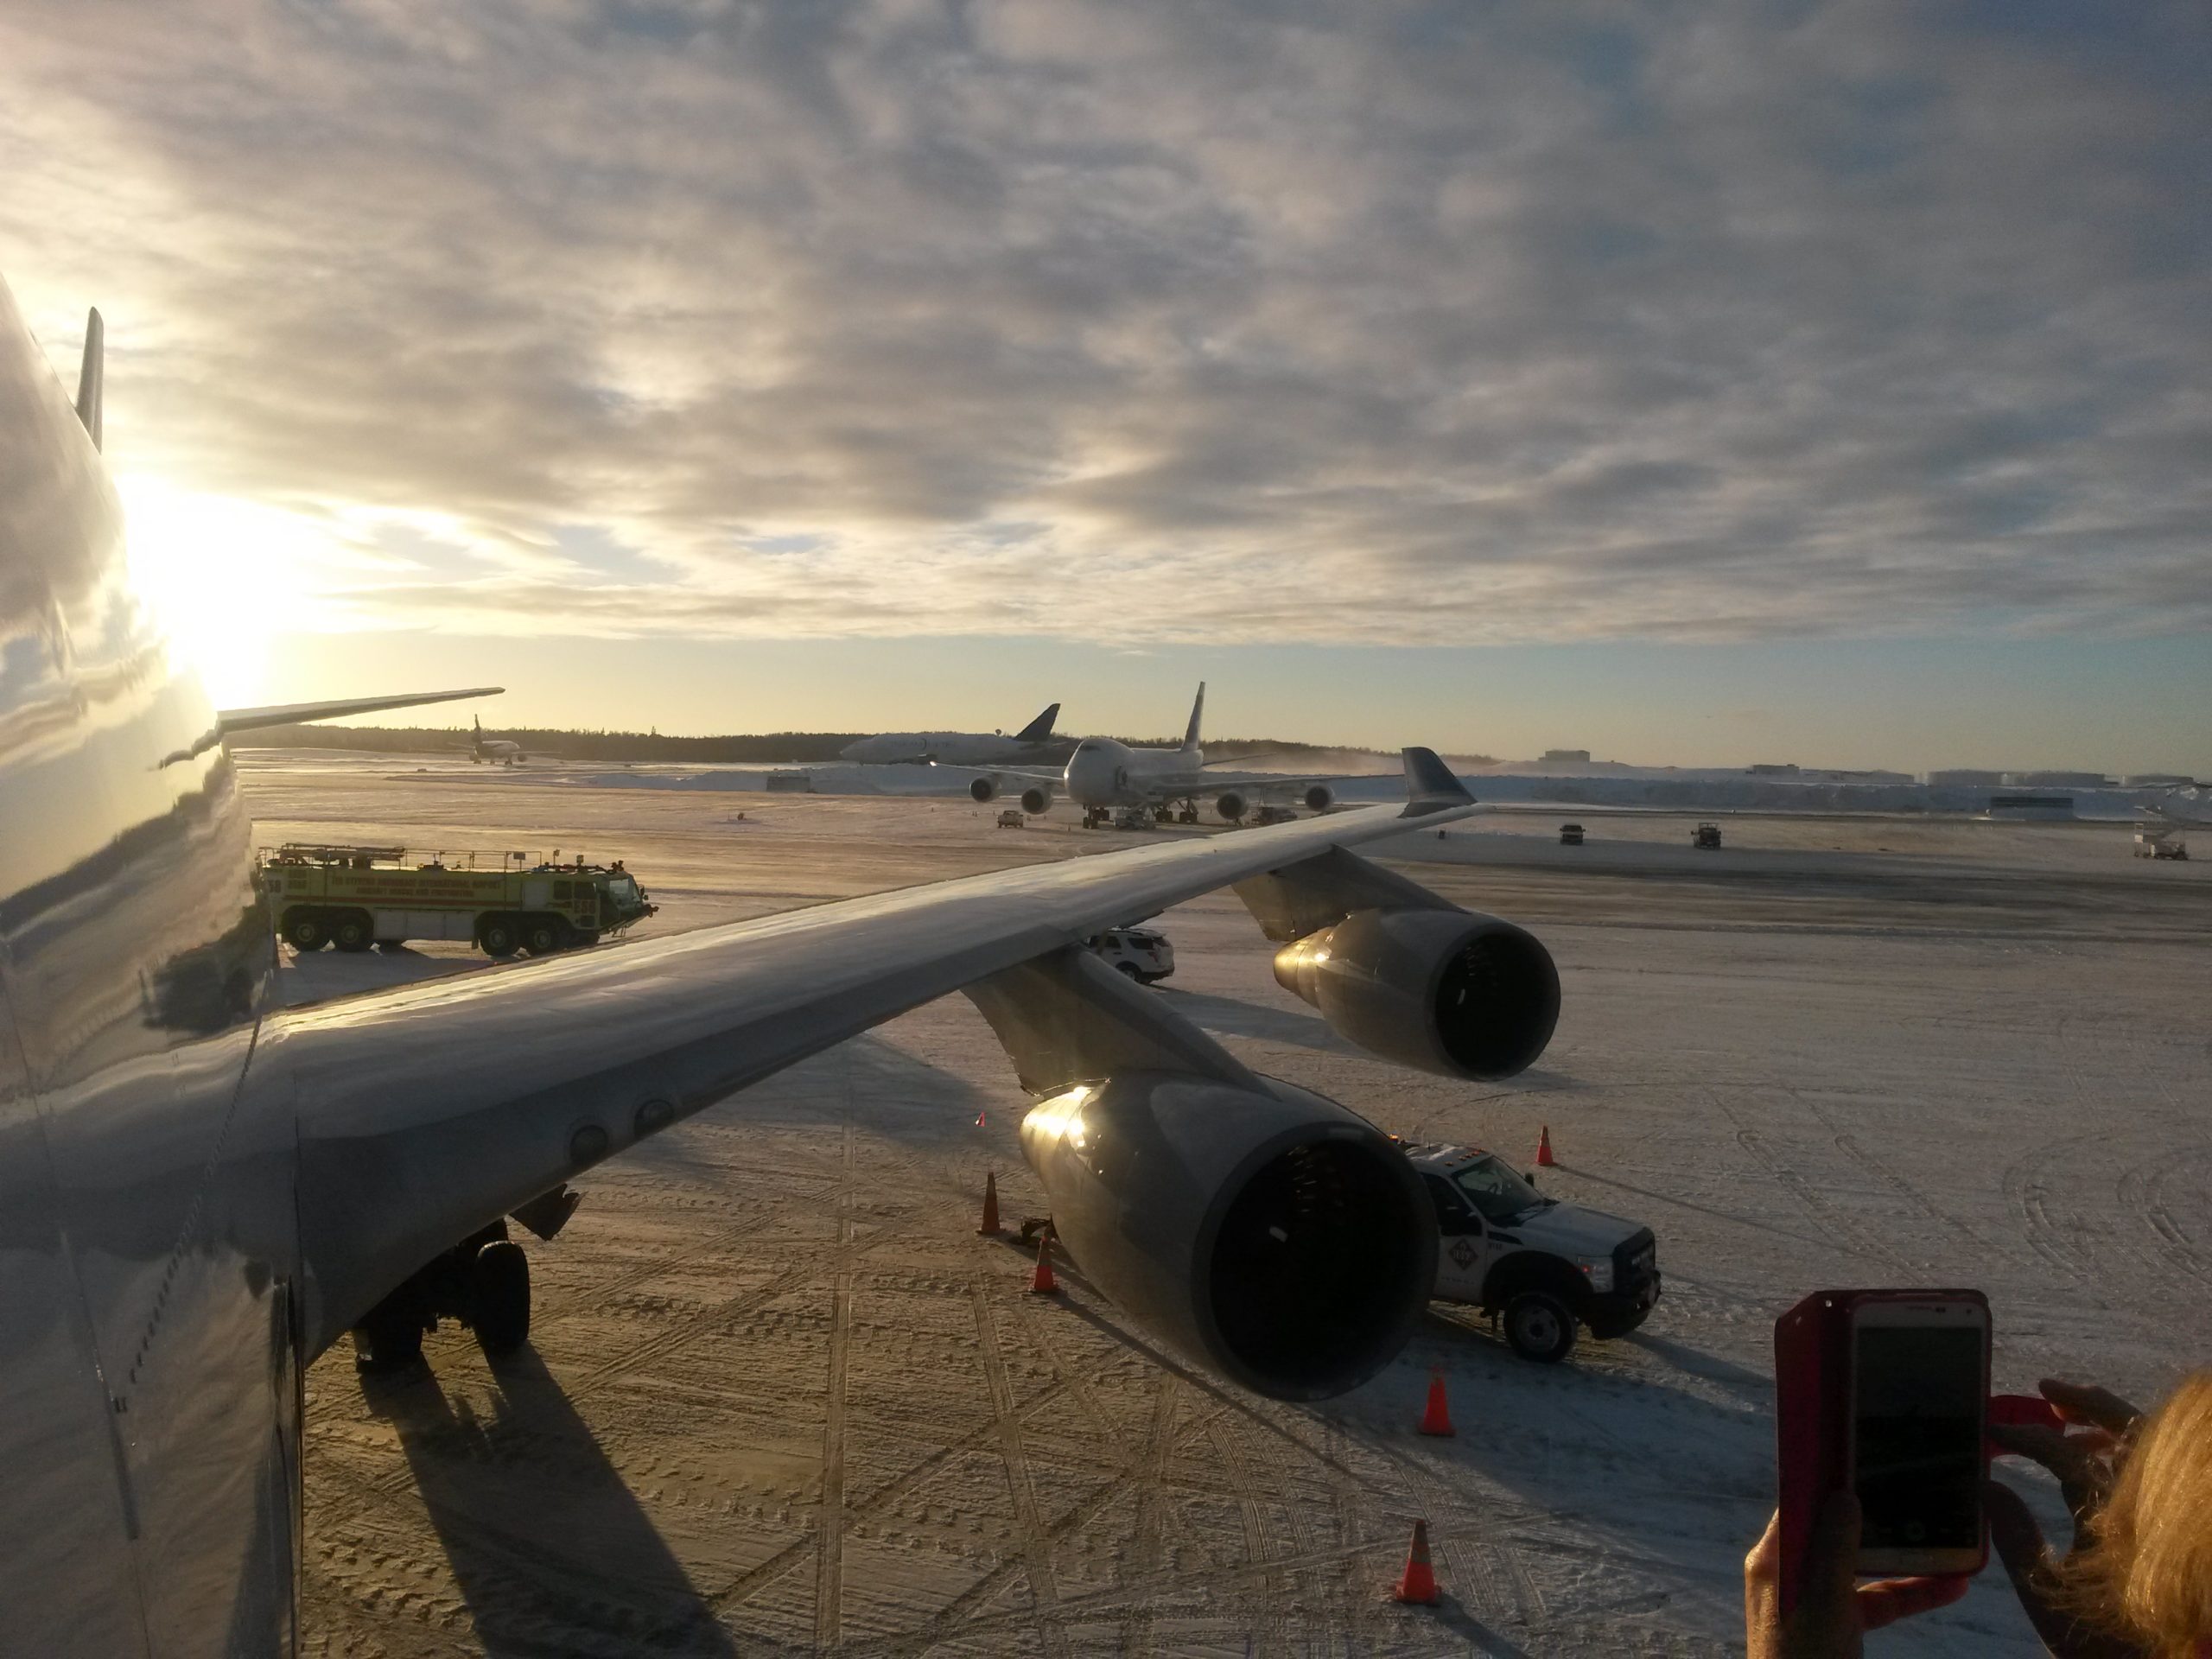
point(1570, 834)
point(1143, 954)
point(1706, 834)
point(1271, 814)
point(1011, 819)
point(1541, 1268)
point(2150, 843)
point(1132, 817)
point(355, 897)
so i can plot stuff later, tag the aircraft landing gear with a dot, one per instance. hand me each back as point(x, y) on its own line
point(482, 1283)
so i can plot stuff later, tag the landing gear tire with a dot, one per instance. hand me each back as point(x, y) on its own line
point(499, 1297)
point(304, 931)
point(351, 931)
point(497, 936)
point(1540, 1326)
point(541, 935)
point(388, 1340)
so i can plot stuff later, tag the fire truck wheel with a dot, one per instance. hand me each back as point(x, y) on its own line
point(499, 1297)
point(541, 935)
point(304, 930)
point(497, 935)
point(352, 931)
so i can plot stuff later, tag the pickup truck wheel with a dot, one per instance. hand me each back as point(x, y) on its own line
point(499, 1297)
point(1540, 1326)
point(541, 935)
point(351, 931)
point(497, 935)
point(304, 930)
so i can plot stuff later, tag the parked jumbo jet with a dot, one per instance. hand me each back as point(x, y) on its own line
point(1103, 774)
point(201, 1191)
point(955, 748)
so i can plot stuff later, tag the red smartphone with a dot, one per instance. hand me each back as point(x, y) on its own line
point(1885, 1392)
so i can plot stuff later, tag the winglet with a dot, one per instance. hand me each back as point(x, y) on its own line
point(1430, 785)
point(1198, 712)
point(90, 377)
point(1039, 729)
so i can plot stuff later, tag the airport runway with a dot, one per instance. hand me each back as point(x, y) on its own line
point(782, 1398)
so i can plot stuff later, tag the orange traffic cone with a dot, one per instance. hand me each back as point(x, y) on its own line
point(1437, 1419)
point(990, 1228)
point(1419, 1583)
point(1544, 1158)
point(1041, 1282)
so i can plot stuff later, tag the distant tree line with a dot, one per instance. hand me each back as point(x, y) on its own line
point(735, 749)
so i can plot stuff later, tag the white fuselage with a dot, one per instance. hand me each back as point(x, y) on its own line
point(947, 749)
point(1102, 772)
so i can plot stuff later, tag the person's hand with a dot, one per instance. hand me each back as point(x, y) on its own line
point(2085, 1462)
point(1835, 1611)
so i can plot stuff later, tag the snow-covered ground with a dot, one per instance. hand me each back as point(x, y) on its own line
point(783, 1398)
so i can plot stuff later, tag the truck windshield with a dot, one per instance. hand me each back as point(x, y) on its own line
point(1495, 1189)
point(624, 889)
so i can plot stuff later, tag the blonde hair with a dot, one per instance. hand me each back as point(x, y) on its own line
point(2146, 1566)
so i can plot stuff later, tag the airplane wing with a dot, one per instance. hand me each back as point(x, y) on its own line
point(1004, 774)
point(228, 721)
point(427, 1111)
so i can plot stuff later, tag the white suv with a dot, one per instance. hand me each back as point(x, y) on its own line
point(1144, 956)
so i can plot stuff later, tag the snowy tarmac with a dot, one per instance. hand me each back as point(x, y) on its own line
point(781, 1398)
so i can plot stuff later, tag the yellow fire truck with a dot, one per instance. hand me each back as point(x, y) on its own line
point(355, 897)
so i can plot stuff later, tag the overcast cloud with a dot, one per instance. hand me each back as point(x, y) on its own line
point(1355, 322)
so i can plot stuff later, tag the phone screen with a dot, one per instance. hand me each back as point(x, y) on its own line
point(1916, 1464)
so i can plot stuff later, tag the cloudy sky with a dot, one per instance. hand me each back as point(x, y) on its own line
point(1699, 384)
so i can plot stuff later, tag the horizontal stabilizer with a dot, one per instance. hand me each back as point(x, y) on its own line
point(1430, 785)
point(291, 714)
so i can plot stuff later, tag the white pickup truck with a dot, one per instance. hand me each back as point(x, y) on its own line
point(1544, 1266)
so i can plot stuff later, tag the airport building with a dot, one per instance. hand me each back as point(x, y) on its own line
point(1574, 757)
point(1962, 778)
point(2057, 780)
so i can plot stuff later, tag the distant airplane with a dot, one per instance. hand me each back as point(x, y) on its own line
point(203, 1189)
point(498, 750)
point(954, 748)
point(1103, 774)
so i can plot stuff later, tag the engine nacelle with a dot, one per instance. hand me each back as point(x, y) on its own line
point(983, 788)
point(1275, 1237)
point(1037, 799)
point(1442, 990)
point(1231, 806)
point(1320, 798)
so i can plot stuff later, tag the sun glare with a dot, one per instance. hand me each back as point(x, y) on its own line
point(225, 577)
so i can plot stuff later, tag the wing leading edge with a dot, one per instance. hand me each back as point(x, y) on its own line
point(427, 1111)
point(228, 721)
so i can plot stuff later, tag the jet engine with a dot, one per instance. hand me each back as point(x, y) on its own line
point(984, 789)
point(1268, 1232)
point(1447, 991)
point(1037, 798)
point(1320, 798)
point(1231, 806)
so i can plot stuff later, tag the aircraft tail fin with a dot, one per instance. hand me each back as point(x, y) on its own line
point(1039, 729)
point(1430, 785)
point(92, 375)
point(1197, 714)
